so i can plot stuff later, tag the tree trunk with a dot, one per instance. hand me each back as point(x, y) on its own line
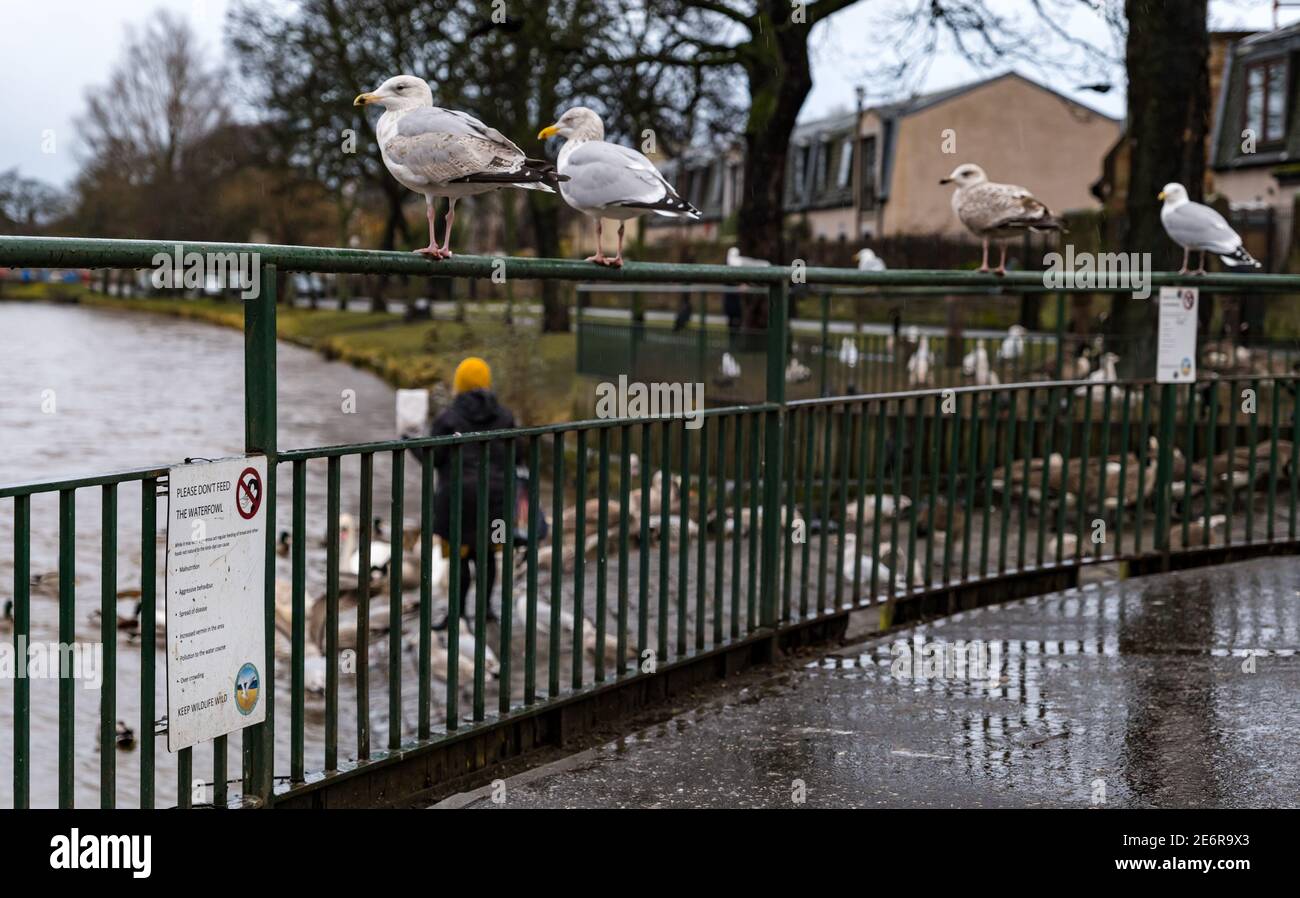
point(1167, 58)
point(779, 81)
point(546, 224)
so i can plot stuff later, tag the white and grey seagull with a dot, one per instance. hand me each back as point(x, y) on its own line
point(1194, 226)
point(993, 211)
point(445, 153)
point(605, 180)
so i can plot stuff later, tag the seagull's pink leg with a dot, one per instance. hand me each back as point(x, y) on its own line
point(432, 250)
point(445, 252)
point(1187, 255)
point(599, 258)
point(1002, 262)
point(617, 261)
point(1201, 269)
point(984, 265)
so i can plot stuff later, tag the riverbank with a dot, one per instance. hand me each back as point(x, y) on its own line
point(534, 372)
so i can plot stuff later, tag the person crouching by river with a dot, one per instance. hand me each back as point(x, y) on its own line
point(474, 408)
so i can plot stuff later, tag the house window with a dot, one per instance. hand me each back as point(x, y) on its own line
point(845, 171)
point(800, 172)
point(823, 165)
point(1266, 100)
point(868, 161)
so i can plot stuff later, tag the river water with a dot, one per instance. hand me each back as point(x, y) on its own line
point(89, 391)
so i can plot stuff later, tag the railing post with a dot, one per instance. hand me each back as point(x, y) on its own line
point(1164, 466)
point(778, 327)
point(260, 436)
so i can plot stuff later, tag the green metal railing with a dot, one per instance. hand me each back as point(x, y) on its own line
point(665, 542)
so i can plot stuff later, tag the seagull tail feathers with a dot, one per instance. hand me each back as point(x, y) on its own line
point(1239, 257)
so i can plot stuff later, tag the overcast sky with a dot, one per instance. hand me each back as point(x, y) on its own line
point(52, 51)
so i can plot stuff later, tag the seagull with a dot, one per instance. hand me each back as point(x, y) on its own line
point(848, 353)
point(1013, 347)
point(442, 152)
point(736, 260)
point(730, 368)
point(605, 180)
point(994, 211)
point(919, 365)
point(868, 260)
point(1194, 226)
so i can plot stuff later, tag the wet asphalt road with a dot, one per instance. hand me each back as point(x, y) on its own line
point(1128, 694)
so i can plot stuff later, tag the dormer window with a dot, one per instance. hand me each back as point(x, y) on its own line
point(1266, 100)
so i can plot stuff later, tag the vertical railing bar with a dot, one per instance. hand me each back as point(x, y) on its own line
point(665, 510)
point(989, 457)
point(482, 564)
point(1084, 457)
point(1045, 480)
point(843, 464)
point(67, 636)
point(1234, 403)
point(861, 504)
point(364, 552)
point(1065, 476)
point(810, 419)
point(397, 538)
point(973, 438)
point(1008, 458)
point(624, 519)
point(580, 556)
point(1272, 457)
point(918, 465)
point(824, 524)
point(1026, 467)
point(1211, 425)
point(737, 497)
point(534, 537)
point(683, 540)
point(950, 513)
point(22, 636)
point(1252, 434)
point(755, 495)
point(720, 542)
point(877, 522)
point(1185, 506)
point(455, 574)
point(108, 639)
point(505, 651)
point(1102, 461)
point(148, 634)
point(298, 626)
point(936, 447)
point(1122, 492)
point(424, 649)
point(643, 553)
point(702, 543)
point(1145, 442)
point(557, 566)
point(332, 614)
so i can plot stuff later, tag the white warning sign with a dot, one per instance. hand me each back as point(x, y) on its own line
point(1176, 340)
point(216, 570)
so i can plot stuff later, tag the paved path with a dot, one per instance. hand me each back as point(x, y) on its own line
point(1129, 694)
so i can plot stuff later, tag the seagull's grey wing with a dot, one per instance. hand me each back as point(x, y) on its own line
point(991, 207)
point(1198, 227)
point(606, 174)
point(441, 145)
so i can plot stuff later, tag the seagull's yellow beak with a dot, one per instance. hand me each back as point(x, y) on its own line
point(1160, 195)
point(548, 131)
point(364, 99)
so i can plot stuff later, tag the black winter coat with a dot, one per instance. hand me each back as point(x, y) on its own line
point(470, 412)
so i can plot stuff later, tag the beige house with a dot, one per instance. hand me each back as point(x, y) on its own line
point(881, 178)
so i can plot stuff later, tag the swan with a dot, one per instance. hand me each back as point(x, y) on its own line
point(589, 644)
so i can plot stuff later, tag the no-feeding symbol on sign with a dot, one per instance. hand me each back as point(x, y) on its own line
point(248, 498)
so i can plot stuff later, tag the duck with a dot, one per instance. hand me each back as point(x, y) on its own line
point(46, 584)
point(796, 372)
point(123, 736)
point(890, 507)
point(890, 565)
point(7, 616)
point(1196, 532)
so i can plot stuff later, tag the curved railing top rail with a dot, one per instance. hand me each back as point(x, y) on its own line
point(79, 252)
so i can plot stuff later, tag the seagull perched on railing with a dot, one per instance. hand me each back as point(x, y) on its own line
point(605, 180)
point(736, 260)
point(442, 152)
point(1194, 226)
point(868, 260)
point(993, 211)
